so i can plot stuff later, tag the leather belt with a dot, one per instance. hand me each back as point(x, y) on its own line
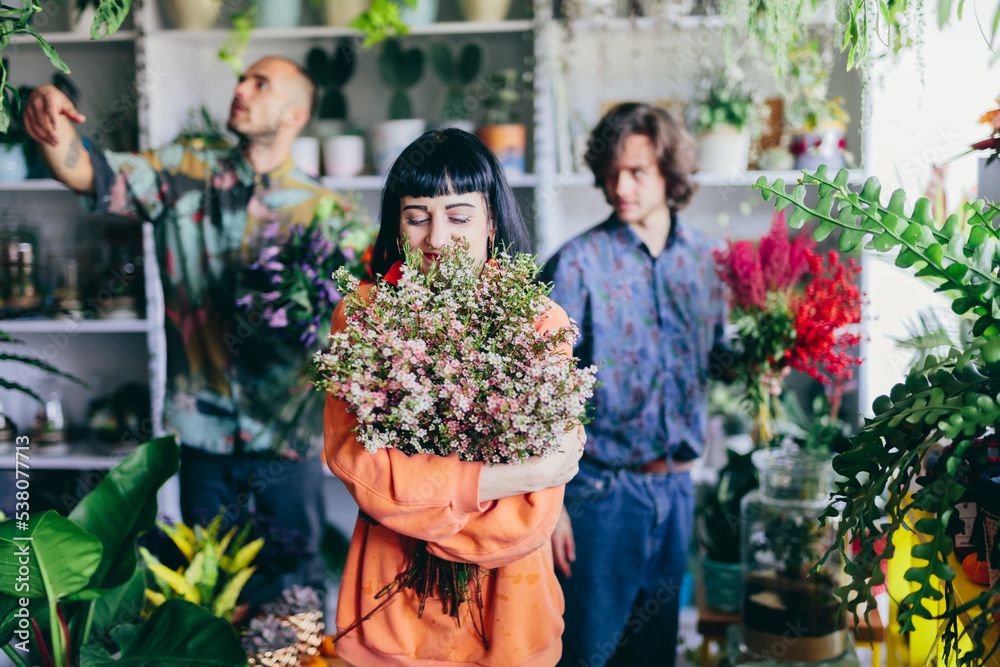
point(660, 466)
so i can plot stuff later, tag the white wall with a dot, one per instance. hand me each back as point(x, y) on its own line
point(921, 118)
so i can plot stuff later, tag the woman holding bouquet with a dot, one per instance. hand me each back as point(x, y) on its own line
point(446, 186)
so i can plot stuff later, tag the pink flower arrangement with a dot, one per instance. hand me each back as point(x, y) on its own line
point(450, 362)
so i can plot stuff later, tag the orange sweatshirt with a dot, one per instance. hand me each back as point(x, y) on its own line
point(436, 499)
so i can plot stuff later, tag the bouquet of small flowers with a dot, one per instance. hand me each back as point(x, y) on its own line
point(450, 362)
point(290, 282)
point(783, 324)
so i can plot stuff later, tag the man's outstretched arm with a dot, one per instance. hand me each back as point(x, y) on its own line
point(48, 118)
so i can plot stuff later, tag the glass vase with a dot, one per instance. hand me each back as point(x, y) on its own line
point(789, 612)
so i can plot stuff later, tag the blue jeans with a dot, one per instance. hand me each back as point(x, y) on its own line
point(287, 509)
point(632, 534)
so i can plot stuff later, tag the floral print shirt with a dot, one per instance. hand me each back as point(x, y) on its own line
point(655, 325)
point(207, 208)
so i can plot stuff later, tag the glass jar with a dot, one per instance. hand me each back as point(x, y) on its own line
point(789, 613)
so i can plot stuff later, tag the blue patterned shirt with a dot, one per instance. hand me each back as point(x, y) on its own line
point(654, 325)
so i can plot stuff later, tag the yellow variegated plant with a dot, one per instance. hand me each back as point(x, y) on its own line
point(217, 569)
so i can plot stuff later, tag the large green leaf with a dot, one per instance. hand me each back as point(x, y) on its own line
point(110, 13)
point(60, 556)
point(8, 622)
point(178, 633)
point(117, 607)
point(122, 507)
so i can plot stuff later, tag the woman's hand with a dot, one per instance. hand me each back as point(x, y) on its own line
point(536, 473)
point(563, 546)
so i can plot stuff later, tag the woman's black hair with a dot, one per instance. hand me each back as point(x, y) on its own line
point(447, 162)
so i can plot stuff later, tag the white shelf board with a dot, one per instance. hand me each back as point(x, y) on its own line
point(74, 326)
point(642, 23)
point(75, 456)
point(707, 179)
point(73, 38)
point(324, 32)
point(32, 185)
point(378, 182)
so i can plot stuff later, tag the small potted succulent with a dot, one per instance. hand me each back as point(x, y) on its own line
point(457, 71)
point(300, 608)
point(723, 130)
point(270, 642)
point(400, 69)
point(343, 150)
point(501, 131)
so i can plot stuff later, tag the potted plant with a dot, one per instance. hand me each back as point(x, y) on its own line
point(86, 588)
point(456, 71)
point(343, 153)
point(269, 642)
point(278, 13)
point(418, 12)
point(192, 14)
point(722, 130)
point(484, 10)
point(500, 131)
point(400, 70)
point(217, 567)
point(951, 397)
point(718, 528)
point(340, 13)
point(784, 586)
point(201, 131)
point(14, 141)
point(300, 607)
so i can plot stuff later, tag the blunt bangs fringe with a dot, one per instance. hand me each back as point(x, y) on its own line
point(447, 162)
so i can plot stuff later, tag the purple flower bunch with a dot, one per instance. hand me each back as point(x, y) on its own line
point(290, 285)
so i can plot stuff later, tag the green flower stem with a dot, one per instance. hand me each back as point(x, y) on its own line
point(87, 624)
point(14, 657)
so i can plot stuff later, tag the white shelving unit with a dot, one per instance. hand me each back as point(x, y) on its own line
point(576, 70)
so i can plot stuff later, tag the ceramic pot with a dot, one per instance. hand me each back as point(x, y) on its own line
point(343, 156)
point(278, 13)
point(811, 149)
point(192, 14)
point(508, 142)
point(389, 138)
point(340, 13)
point(13, 166)
point(723, 584)
point(424, 13)
point(484, 10)
point(80, 20)
point(724, 150)
point(305, 155)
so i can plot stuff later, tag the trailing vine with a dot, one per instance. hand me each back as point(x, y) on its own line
point(954, 398)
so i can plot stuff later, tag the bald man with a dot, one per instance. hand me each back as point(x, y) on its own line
point(207, 208)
